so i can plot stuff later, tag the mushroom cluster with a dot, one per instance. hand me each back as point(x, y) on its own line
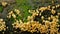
point(2, 25)
point(43, 20)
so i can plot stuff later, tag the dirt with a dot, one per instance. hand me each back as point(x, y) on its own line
point(9, 1)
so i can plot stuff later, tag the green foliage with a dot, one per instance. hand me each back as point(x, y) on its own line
point(1, 8)
point(23, 5)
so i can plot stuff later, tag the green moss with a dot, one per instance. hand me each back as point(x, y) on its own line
point(1, 9)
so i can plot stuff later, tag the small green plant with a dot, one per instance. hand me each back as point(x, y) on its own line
point(1, 8)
